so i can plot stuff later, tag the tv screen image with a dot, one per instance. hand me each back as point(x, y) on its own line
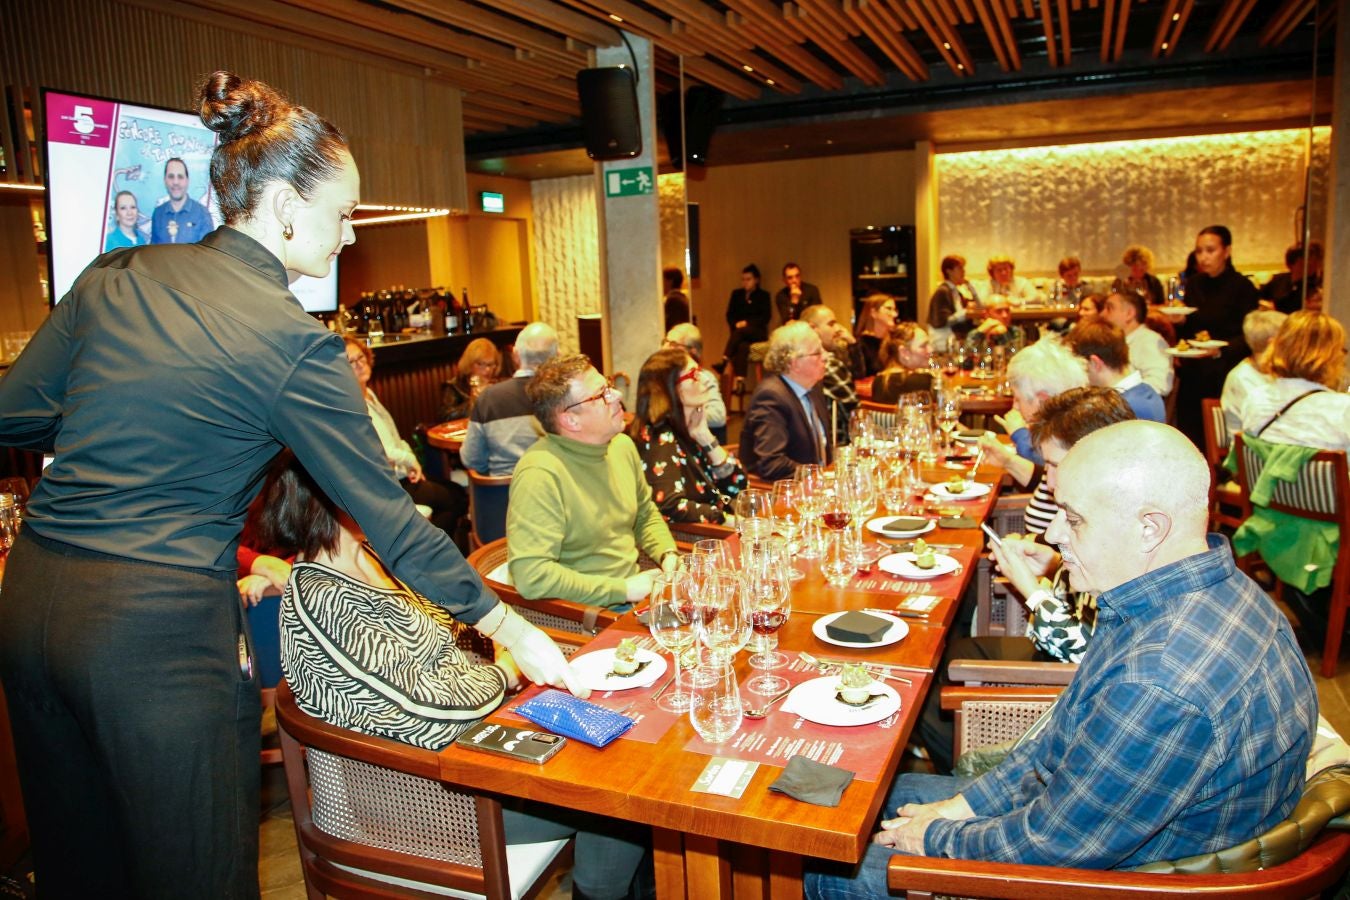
point(124, 175)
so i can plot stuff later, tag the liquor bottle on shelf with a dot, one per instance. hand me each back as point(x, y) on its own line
point(467, 314)
point(453, 313)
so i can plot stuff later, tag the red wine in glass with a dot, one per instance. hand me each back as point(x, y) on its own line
point(836, 521)
point(767, 621)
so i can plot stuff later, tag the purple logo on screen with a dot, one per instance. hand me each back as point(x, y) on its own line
point(79, 120)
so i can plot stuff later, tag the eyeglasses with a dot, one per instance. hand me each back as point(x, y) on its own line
point(358, 360)
point(820, 352)
point(691, 375)
point(608, 394)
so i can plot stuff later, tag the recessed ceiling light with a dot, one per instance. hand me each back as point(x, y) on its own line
point(769, 81)
point(960, 67)
point(616, 18)
point(829, 142)
point(1164, 45)
point(1176, 17)
point(946, 46)
point(747, 68)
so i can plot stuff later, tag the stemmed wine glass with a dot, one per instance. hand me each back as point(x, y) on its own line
point(674, 624)
point(769, 596)
point(810, 494)
point(949, 417)
point(725, 629)
point(754, 514)
point(837, 506)
point(787, 520)
point(861, 493)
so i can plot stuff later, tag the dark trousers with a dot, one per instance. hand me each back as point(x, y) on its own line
point(738, 349)
point(135, 729)
point(449, 505)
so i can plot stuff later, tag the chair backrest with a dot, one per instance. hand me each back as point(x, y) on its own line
point(1217, 436)
point(693, 532)
point(884, 414)
point(370, 811)
point(1318, 493)
point(488, 495)
point(563, 620)
point(1218, 441)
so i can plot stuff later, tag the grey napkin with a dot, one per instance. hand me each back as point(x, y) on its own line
point(812, 782)
point(957, 522)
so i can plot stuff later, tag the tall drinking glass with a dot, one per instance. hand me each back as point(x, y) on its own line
point(726, 620)
point(811, 502)
point(787, 520)
point(715, 711)
point(674, 625)
point(769, 595)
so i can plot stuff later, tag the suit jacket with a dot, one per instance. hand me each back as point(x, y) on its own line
point(777, 437)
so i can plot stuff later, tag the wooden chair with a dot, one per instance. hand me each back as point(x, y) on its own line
point(998, 610)
point(884, 414)
point(690, 533)
point(1226, 506)
point(562, 620)
point(1320, 494)
point(1286, 862)
point(374, 820)
point(488, 495)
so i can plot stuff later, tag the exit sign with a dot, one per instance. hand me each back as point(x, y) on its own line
point(629, 182)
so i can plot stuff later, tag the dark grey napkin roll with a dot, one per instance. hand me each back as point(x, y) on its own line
point(812, 782)
point(957, 522)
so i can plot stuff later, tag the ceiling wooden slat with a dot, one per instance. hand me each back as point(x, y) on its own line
point(1289, 16)
point(1066, 48)
point(573, 24)
point(888, 39)
point(775, 40)
point(1048, 24)
point(1121, 30)
point(847, 55)
point(1226, 27)
point(944, 36)
point(1108, 29)
point(991, 30)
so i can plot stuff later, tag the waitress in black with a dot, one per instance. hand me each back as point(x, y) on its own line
point(748, 313)
point(164, 383)
point(1222, 296)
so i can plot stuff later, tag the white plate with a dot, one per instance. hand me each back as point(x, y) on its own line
point(973, 489)
point(596, 670)
point(1177, 310)
point(902, 564)
point(967, 438)
point(878, 526)
point(816, 701)
point(1209, 345)
point(896, 633)
point(1187, 354)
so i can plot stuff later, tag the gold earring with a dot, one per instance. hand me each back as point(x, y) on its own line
point(288, 232)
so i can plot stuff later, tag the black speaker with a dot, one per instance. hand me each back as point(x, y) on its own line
point(609, 112)
point(702, 109)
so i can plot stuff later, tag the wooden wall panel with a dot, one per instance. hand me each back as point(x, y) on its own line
point(802, 210)
point(405, 127)
point(23, 307)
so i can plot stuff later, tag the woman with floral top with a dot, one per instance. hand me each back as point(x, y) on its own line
point(693, 478)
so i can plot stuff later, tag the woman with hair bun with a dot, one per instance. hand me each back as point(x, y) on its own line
point(164, 383)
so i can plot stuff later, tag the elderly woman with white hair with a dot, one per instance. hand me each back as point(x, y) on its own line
point(1259, 328)
point(1045, 369)
point(786, 424)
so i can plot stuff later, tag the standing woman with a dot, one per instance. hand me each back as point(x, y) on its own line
point(748, 314)
point(164, 382)
point(1222, 297)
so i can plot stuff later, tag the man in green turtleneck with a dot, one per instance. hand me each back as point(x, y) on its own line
point(580, 505)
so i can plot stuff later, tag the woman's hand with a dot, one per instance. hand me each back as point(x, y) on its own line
point(697, 423)
point(1012, 422)
point(252, 588)
point(415, 473)
point(276, 570)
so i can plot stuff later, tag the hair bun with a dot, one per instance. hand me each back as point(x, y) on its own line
point(234, 107)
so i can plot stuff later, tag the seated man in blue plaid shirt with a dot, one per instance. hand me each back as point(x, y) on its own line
point(1188, 725)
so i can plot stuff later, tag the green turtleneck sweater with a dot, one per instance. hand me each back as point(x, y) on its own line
point(577, 515)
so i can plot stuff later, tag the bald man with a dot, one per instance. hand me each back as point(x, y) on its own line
point(502, 425)
point(1188, 725)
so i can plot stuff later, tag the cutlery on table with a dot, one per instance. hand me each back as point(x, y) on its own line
point(662, 689)
point(829, 666)
point(763, 711)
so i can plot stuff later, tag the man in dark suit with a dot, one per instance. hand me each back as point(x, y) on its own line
point(795, 296)
point(787, 424)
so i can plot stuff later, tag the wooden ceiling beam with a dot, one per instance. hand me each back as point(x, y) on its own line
point(957, 12)
point(1183, 16)
point(495, 115)
point(844, 52)
point(1288, 17)
point(870, 19)
point(461, 14)
point(1066, 45)
point(991, 30)
point(1002, 18)
point(1121, 30)
point(794, 55)
point(573, 24)
point(833, 12)
point(640, 22)
point(723, 79)
point(1108, 29)
point(946, 39)
point(1163, 33)
point(1226, 26)
point(822, 20)
point(485, 100)
point(1048, 26)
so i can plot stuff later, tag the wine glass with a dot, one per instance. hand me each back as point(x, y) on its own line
point(725, 629)
point(715, 711)
point(949, 417)
point(787, 519)
point(810, 496)
point(862, 495)
point(754, 514)
point(837, 507)
point(674, 625)
point(769, 596)
point(716, 552)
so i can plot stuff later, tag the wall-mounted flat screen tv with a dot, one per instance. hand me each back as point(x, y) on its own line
point(123, 175)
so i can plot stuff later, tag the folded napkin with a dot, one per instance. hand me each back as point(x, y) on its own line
point(957, 522)
point(566, 715)
point(812, 782)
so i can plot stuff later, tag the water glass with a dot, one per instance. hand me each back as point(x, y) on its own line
point(840, 560)
point(725, 628)
point(715, 710)
point(754, 514)
point(810, 494)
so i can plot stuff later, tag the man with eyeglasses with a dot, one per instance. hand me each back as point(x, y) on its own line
point(787, 424)
point(580, 508)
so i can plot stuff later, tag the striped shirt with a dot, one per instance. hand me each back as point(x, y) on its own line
point(1185, 731)
point(1041, 509)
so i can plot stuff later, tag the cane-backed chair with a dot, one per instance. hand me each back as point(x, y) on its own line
point(562, 619)
point(1227, 504)
point(488, 495)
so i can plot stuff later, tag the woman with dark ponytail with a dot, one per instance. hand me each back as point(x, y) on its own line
point(164, 383)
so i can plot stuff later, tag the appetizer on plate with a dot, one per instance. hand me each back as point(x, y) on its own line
point(625, 658)
point(855, 685)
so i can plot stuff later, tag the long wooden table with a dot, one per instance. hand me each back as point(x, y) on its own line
point(978, 395)
point(710, 846)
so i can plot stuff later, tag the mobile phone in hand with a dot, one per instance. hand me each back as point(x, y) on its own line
point(998, 541)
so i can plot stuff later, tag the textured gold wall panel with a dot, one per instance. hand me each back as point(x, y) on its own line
point(405, 129)
point(566, 253)
point(1042, 203)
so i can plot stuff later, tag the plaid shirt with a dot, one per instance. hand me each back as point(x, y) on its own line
point(839, 391)
point(1185, 731)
